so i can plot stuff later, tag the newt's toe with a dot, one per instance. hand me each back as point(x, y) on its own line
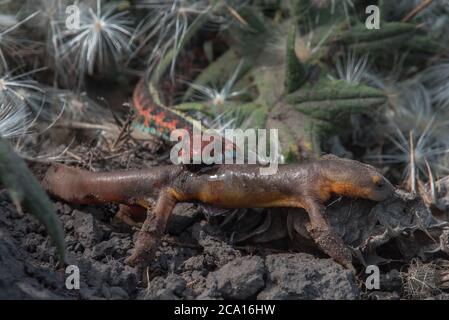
point(144, 250)
point(333, 246)
point(140, 257)
point(132, 260)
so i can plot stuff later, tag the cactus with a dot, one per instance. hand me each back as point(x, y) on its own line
point(295, 72)
point(333, 100)
point(279, 93)
point(392, 35)
point(219, 69)
point(300, 10)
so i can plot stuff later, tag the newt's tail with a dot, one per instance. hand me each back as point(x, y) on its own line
point(85, 187)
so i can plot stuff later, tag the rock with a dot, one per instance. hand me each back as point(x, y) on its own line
point(114, 247)
point(184, 215)
point(124, 277)
point(105, 291)
point(86, 228)
point(118, 293)
point(209, 294)
point(301, 276)
point(391, 281)
point(217, 253)
point(98, 279)
point(33, 289)
point(172, 256)
point(382, 295)
point(63, 208)
point(241, 278)
point(96, 273)
point(20, 280)
point(196, 284)
point(67, 222)
point(32, 242)
point(88, 293)
point(194, 263)
point(170, 288)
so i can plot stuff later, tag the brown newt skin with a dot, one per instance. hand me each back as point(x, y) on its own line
point(305, 185)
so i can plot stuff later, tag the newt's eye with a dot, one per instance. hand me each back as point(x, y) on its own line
point(379, 184)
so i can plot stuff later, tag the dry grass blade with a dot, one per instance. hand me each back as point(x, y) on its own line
point(417, 10)
point(421, 280)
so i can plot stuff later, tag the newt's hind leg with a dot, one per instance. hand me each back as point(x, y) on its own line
point(131, 215)
point(326, 238)
point(152, 230)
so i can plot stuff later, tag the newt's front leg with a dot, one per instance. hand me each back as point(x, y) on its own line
point(152, 230)
point(325, 237)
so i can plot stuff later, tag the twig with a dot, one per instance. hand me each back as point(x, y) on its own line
point(236, 15)
point(84, 125)
point(76, 157)
point(147, 272)
point(112, 156)
point(124, 130)
point(417, 10)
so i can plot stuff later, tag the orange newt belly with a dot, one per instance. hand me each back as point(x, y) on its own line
point(236, 198)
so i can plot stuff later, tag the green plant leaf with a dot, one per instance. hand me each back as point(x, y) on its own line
point(26, 192)
point(295, 72)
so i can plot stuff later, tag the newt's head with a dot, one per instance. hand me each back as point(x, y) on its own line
point(355, 179)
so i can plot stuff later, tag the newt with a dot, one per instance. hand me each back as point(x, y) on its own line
point(306, 185)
